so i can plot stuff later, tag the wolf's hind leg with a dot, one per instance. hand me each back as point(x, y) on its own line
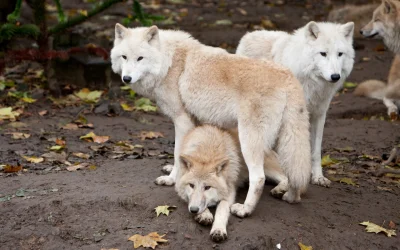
point(275, 173)
point(183, 124)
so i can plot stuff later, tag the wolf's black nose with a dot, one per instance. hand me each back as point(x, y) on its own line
point(194, 209)
point(335, 77)
point(361, 32)
point(126, 79)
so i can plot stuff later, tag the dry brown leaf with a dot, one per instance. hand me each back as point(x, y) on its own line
point(81, 155)
point(150, 135)
point(78, 166)
point(95, 138)
point(60, 142)
point(18, 135)
point(70, 126)
point(33, 159)
point(392, 225)
point(11, 169)
point(43, 112)
point(151, 240)
point(373, 228)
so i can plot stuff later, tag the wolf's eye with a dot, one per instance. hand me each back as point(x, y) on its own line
point(323, 54)
point(340, 54)
point(124, 57)
point(207, 187)
point(376, 20)
point(140, 58)
point(191, 185)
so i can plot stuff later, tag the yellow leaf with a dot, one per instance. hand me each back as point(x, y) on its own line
point(327, 161)
point(18, 135)
point(89, 96)
point(145, 104)
point(304, 247)
point(33, 159)
point(163, 210)
point(126, 107)
point(150, 135)
point(57, 147)
point(348, 181)
point(83, 12)
point(82, 155)
point(349, 85)
point(28, 100)
point(151, 240)
point(373, 228)
point(95, 138)
point(8, 114)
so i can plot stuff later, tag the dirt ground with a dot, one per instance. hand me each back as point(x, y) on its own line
point(52, 208)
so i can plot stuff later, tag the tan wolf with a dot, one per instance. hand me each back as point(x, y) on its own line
point(385, 23)
point(197, 84)
point(212, 168)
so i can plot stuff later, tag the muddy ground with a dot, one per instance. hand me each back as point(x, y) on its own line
point(52, 208)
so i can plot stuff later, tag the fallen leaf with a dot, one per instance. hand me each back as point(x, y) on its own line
point(150, 135)
point(145, 104)
point(327, 161)
point(43, 112)
point(60, 142)
point(33, 159)
point(345, 149)
point(151, 240)
point(89, 96)
point(348, 181)
point(223, 22)
point(163, 210)
point(369, 157)
point(70, 126)
point(57, 148)
point(392, 225)
point(349, 85)
point(304, 247)
point(78, 166)
point(95, 138)
point(384, 188)
point(125, 106)
point(8, 114)
point(267, 24)
point(81, 155)
point(18, 135)
point(28, 100)
point(56, 157)
point(83, 12)
point(242, 11)
point(11, 169)
point(373, 228)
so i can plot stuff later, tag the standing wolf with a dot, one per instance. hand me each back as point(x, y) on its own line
point(385, 23)
point(321, 56)
point(212, 168)
point(192, 83)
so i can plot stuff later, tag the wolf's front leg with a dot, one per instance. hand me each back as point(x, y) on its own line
point(317, 130)
point(218, 231)
point(183, 124)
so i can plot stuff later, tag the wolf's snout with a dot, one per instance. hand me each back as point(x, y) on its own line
point(126, 79)
point(335, 77)
point(194, 209)
point(361, 32)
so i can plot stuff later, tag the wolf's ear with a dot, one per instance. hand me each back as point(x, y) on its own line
point(120, 31)
point(222, 165)
point(152, 35)
point(388, 6)
point(312, 30)
point(185, 162)
point(348, 30)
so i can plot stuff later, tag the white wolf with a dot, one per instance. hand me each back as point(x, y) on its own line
point(321, 56)
point(195, 84)
point(212, 168)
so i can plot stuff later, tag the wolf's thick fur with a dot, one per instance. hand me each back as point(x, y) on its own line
point(212, 168)
point(193, 83)
point(385, 23)
point(314, 53)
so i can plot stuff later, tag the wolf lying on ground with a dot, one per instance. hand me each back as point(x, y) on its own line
point(211, 170)
point(321, 56)
point(197, 84)
point(385, 23)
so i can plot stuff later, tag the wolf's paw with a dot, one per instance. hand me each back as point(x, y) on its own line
point(218, 234)
point(205, 218)
point(292, 196)
point(167, 168)
point(320, 181)
point(165, 180)
point(280, 190)
point(240, 210)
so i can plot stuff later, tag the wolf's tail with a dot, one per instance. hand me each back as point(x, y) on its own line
point(293, 145)
point(371, 88)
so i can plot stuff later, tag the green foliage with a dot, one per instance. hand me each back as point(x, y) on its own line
point(8, 30)
point(13, 17)
point(60, 11)
point(139, 15)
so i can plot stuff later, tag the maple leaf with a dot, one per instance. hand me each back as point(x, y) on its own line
point(373, 228)
point(304, 247)
point(150, 135)
point(163, 210)
point(33, 159)
point(151, 240)
point(95, 138)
